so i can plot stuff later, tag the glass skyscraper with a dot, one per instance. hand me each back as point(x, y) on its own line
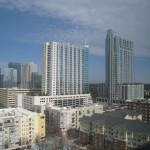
point(16, 66)
point(10, 78)
point(119, 63)
point(65, 69)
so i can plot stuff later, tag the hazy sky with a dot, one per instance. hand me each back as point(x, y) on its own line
point(26, 24)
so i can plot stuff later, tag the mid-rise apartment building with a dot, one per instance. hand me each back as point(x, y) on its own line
point(65, 69)
point(117, 130)
point(140, 105)
point(127, 92)
point(63, 119)
point(8, 95)
point(19, 127)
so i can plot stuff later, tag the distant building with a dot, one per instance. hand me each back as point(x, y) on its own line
point(127, 92)
point(140, 105)
point(16, 66)
point(36, 81)
point(117, 130)
point(65, 69)
point(101, 90)
point(1, 81)
point(146, 90)
point(146, 93)
point(119, 64)
point(10, 78)
point(8, 95)
point(27, 71)
point(20, 127)
point(93, 91)
point(59, 100)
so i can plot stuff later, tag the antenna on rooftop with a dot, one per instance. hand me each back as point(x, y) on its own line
point(85, 41)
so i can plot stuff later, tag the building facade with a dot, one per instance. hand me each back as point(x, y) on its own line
point(140, 105)
point(146, 93)
point(8, 95)
point(127, 92)
point(27, 71)
point(36, 81)
point(120, 130)
point(61, 100)
point(65, 69)
point(63, 119)
point(10, 78)
point(20, 127)
point(16, 66)
point(132, 91)
point(119, 63)
point(1, 81)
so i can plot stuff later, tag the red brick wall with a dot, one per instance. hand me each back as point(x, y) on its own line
point(84, 137)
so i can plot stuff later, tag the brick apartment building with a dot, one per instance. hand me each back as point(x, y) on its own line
point(141, 106)
point(118, 130)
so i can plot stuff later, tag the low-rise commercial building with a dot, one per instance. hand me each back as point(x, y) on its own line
point(58, 100)
point(19, 127)
point(8, 95)
point(118, 130)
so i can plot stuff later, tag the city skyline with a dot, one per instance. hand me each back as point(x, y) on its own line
point(25, 26)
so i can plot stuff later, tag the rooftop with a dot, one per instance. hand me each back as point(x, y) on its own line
point(116, 120)
point(138, 101)
point(70, 108)
point(16, 112)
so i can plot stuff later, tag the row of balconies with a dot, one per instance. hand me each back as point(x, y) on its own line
point(8, 125)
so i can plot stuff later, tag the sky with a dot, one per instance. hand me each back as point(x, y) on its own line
point(25, 25)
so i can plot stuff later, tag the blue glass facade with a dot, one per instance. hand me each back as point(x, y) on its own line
point(16, 66)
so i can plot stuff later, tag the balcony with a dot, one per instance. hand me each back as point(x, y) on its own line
point(8, 125)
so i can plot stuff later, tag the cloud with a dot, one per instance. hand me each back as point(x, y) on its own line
point(129, 18)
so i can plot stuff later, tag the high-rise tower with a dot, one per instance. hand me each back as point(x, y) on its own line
point(119, 63)
point(16, 66)
point(65, 69)
point(27, 71)
point(10, 78)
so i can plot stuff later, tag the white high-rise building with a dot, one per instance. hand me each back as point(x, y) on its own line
point(119, 63)
point(27, 71)
point(65, 69)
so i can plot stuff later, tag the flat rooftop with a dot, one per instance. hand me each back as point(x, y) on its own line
point(16, 112)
